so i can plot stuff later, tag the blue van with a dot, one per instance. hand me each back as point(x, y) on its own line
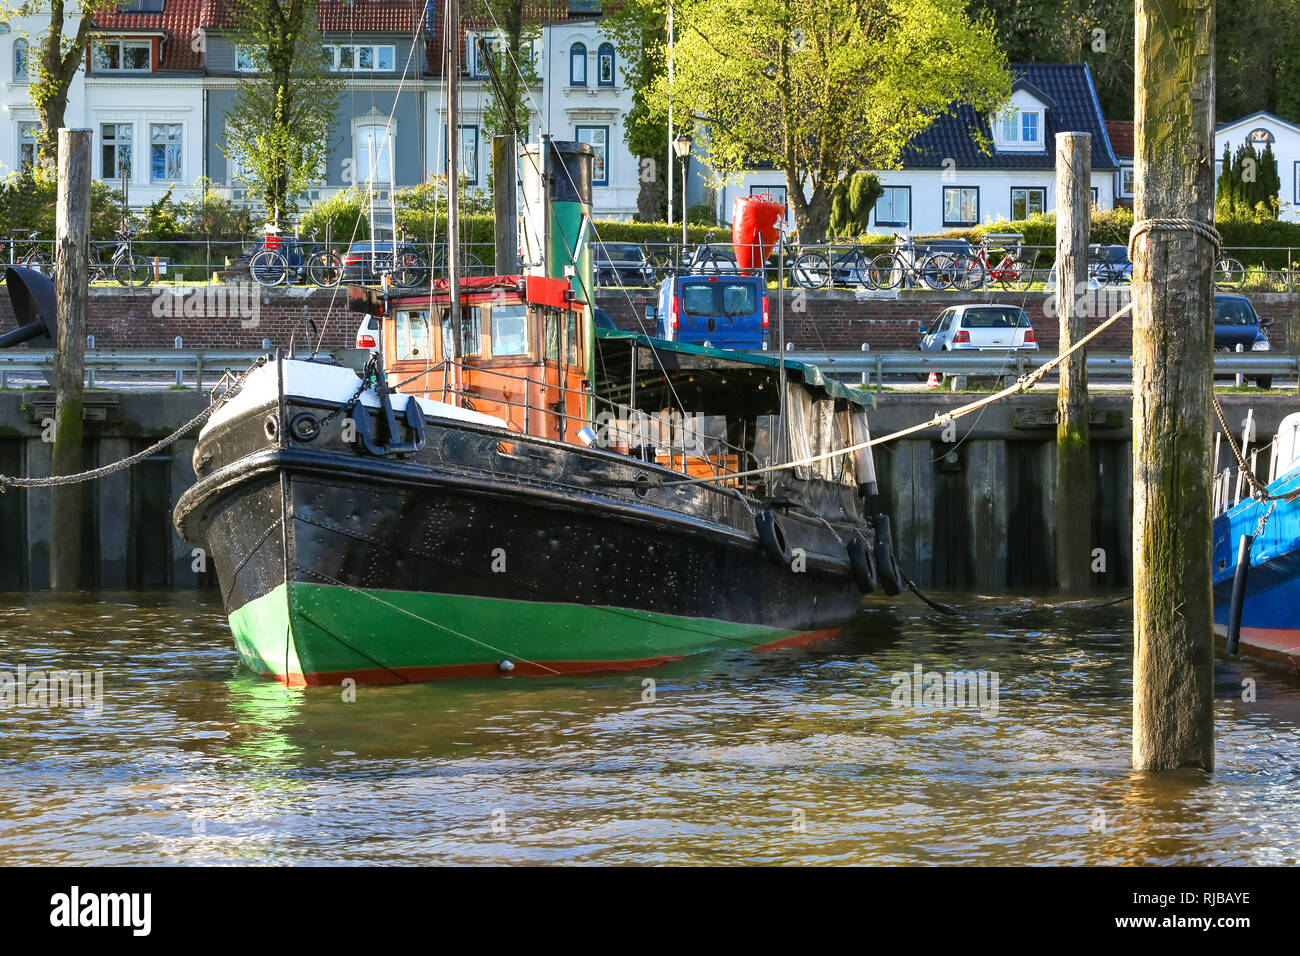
point(725, 311)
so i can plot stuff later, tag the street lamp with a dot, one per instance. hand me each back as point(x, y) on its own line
point(682, 147)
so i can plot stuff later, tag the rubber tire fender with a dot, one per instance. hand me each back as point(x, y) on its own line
point(863, 562)
point(772, 537)
point(890, 577)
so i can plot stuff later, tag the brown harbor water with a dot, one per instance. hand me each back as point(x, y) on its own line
point(790, 756)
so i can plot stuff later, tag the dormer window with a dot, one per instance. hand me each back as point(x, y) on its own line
point(1019, 129)
point(139, 6)
point(121, 56)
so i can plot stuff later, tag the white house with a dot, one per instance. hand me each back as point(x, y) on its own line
point(19, 42)
point(950, 180)
point(1264, 129)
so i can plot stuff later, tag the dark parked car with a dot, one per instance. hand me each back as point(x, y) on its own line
point(1236, 325)
point(366, 262)
point(1110, 264)
point(622, 264)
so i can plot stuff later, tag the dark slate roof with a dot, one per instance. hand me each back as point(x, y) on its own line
point(1074, 108)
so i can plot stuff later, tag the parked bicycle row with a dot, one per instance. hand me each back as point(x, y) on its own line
point(1000, 261)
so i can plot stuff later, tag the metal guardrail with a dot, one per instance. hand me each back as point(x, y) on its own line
point(871, 367)
point(180, 363)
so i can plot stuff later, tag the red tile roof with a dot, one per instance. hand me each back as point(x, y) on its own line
point(369, 16)
point(179, 21)
point(1121, 137)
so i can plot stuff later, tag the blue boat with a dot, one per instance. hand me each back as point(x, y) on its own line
point(1270, 619)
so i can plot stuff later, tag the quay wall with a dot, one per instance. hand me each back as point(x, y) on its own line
point(973, 513)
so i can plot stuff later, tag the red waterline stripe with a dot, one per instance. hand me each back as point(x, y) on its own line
point(416, 674)
point(800, 640)
point(1278, 644)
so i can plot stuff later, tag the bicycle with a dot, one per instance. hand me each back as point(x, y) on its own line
point(1229, 274)
point(123, 265)
point(889, 270)
point(32, 259)
point(1012, 273)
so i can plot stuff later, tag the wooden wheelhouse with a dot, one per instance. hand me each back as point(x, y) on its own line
point(522, 352)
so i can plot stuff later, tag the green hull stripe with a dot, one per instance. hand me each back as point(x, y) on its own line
point(337, 629)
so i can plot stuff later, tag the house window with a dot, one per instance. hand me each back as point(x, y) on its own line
point(509, 330)
point(578, 65)
point(961, 205)
point(124, 56)
point(1029, 127)
point(374, 154)
point(1297, 183)
point(20, 60)
point(894, 207)
point(165, 151)
point(1126, 181)
point(468, 153)
point(1096, 198)
point(27, 144)
point(139, 6)
point(244, 61)
point(115, 150)
point(476, 60)
point(1027, 201)
point(596, 137)
point(360, 58)
point(605, 65)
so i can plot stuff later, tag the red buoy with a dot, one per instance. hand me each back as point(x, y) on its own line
point(754, 228)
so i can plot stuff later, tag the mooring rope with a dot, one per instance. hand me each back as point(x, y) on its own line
point(7, 482)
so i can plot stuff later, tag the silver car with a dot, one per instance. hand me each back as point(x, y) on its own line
point(979, 326)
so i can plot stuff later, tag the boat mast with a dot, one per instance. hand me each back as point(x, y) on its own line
point(452, 34)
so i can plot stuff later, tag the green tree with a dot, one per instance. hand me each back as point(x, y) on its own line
point(278, 129)
point(1248, 186)
point(54, 60)
point(640, 34)
point(822, 89)
point(851, 205)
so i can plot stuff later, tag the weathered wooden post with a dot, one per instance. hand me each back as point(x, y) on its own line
point(1073, 455)
point(71, 284)
point(504, 176)
point(1173, 309)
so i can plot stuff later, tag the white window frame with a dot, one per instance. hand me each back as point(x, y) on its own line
point(574, 58)
point(335, 57)
point(117, 145)
point(603, 52)
point(601, 151)
point(19, 142)
point(180, 165)
point(21, 73)
point(122, 44)
point(1127, 190)
point(494, 43)
point(361, 158)
point(1012, 121)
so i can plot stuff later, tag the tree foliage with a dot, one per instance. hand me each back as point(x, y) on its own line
point(822, 89)
point(512, 54)
point(277, 132)
point(639, 32)
point(1249, 184)
point(851, 204)
point(54, 59)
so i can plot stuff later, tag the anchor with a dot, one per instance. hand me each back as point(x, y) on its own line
point(414, 417)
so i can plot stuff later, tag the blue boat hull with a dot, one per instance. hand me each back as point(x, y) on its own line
point(1270, 622)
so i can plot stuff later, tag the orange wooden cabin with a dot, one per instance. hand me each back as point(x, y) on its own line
point(522, 352)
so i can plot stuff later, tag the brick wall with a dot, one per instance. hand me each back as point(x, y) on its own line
point(242, 316)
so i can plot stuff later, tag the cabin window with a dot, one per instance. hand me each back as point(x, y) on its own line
point(509, 330)
point(411, 331)
point(552, 322)
point(471, 332)
point(571, 352)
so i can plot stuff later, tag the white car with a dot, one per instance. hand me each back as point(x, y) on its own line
point(986, 325)
point(368, 333)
